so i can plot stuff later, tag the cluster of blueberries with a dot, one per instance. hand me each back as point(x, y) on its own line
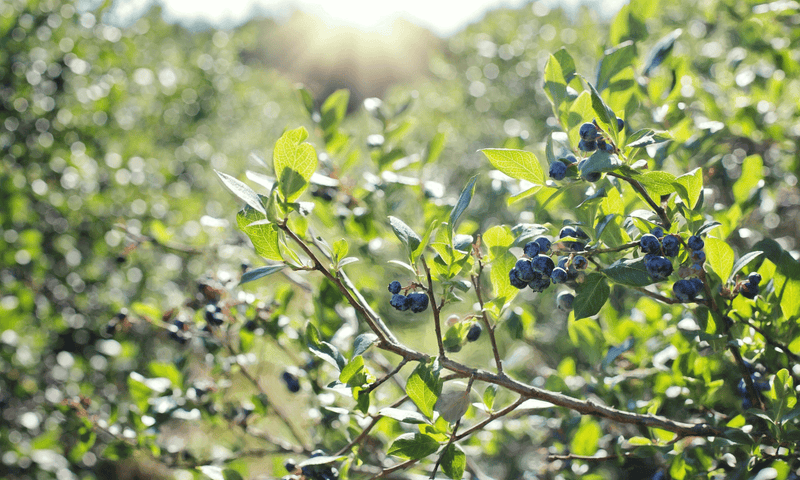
point(761, 386)
point(417, 302)
point(179, 331)
point(537, 270)
point(749, 288)
point(591, 140)
point(311, 472)
point(657, 247)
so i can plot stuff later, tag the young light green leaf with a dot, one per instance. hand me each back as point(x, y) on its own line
point(260, 272)
point(435, 147)
point(590, 296)
point(657, 183)
point(463, 202)
point(693, 183)
point(614, 61)
point(333, 110)
point(413, 446)
point(241, 190)
point(517, 164)
point(585, 440)
point(489, 395)
point(752, 174)
point(719, 256)
point(294, 162)
point(403, 232)
point(307, 99)
point(263, 234)
point(340, 249)
point(744, 260)
point(351, 370)
point(423, 387)
point(454, 461)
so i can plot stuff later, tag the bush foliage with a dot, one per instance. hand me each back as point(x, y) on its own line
point(147, 326)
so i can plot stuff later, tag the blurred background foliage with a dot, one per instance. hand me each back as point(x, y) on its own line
point(113, 227)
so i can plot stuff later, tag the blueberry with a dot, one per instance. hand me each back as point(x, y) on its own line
point(658, 267)
point(698, 256)
point(474, 332)
point(419, 302)
point(697, 283)
point(580, 233)
point(671, 245)
point(558, 275)
point(394, 287)
point(658, 232)
point(620, 124)
point(400, 302)
point(214, 315)
point(695, 243)
point(542, 264)
point(587, 146)
point(754, 278)
point(531, 249)
point(564, 301)
point(650, 244)
point(601, 143)
point(524, 269)
point(292, 383)
point(513, 277)
point(562, 262)
point(568, 232)
point(574, 233)
point(289, 465)
point(684, 290)
point(111, 328)
point(570, 159)
point(251, 325)
point(544, 245)
point(749, 290)
point(539, 283)
point(558, 170)
point(588, 131)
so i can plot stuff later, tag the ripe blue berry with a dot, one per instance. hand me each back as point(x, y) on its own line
point(558, 275)
point(558, 170)
point(695, 243)
point(539, 283)
point(400, 302)
point(588, 131)
point(650, 244)
point(419, 302)
point(657, 266)
point(513, 277)
point(671, 245)
point(685, 290)
point(531, 249)
point(292, 383)
point(474, 332)
point(562, 262)
point(542, 265)
point(658, 232)
point(601, 143)
point(620, 124)
point(749, 290)
point(754, 278)
point(394, 287)
point(580, 262)
point(698, 284)
point(570, 159)
point(573, 233)
point(289, 465)
point(524, 269)
point(698, 256)
point(564, 301)
point(587, 146)
point(544, 245)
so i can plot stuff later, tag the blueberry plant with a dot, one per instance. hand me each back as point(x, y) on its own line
point(643, 252)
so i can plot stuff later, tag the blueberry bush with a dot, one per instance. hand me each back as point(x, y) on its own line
point(607, 288)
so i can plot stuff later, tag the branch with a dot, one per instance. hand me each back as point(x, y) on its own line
point(372, 386)
point(361, 436)
point(646, 196)
point(434, 307)
point(476, 284)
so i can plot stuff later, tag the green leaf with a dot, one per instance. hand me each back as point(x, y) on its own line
point(585, 440)
point(413, 446)
point(403, 232)
point(719, 256)
point(517, 164)
point(454, 461)
point(294, 162)
point(647, 136)
point(435, 148)
point(693, 183)
point(404, 416)
point(586, 335)
point(307, 99)
point(139, 392)
point(340, 249)
point(751, 176)
point(660, 50)
point(363, 342)
point(241, 190)
point(333, 111)
point(489, 395)
point(230, 474)
point(117, 450)
point(168, 371)
point(423, 387)
point(657, 183)
point(558, 72)
point(614, 61)
point(263, 234)
point(498, 240)
point(628, 271)
point(323, 350)
point(463, 202)
point(260, 272)
point(351, 370)
point(605, 116)
point(452, 405)
point(590, 296)
point(744, 260)
point(601, 161)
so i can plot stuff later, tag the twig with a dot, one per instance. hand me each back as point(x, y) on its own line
point(361, 436)
point(436, 321)
point(476, 284)
point(372, 386)
point(646, 196)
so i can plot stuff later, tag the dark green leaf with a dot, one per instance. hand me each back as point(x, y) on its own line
point(333, 111)
point(590, 296)
point(413, 446)
point(307, 99)
point(230, 474)
point(117, 450)
point(463, 202)
point(659, 52)
point(614, 61)
point(647, 136)
point(454, 461)
point(423, 387)
point(601, 161)
point(629, 271)
point(260, 272)
point(605, 116)
point(744, 260)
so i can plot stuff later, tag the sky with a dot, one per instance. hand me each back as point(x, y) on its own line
point(443, 17)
